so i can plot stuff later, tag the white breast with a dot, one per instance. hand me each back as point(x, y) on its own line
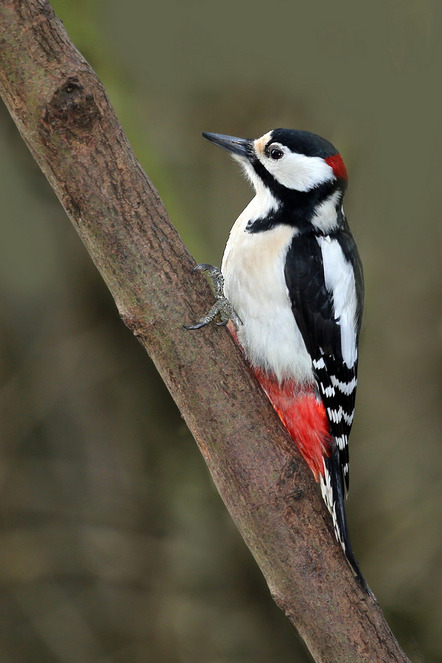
point(253, 269)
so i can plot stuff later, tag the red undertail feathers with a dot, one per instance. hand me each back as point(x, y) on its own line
point(303, 415)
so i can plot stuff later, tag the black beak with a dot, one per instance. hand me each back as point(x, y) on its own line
point(240, 146)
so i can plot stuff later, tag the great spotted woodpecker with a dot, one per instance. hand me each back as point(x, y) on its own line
point(291, 280)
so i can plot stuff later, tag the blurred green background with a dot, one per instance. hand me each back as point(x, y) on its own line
point(114, 545)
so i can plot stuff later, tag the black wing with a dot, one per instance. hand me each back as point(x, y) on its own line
point(314, 310)
point(313, 307)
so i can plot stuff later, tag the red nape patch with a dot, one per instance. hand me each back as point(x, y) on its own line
point(338, 165)
point(303, 416)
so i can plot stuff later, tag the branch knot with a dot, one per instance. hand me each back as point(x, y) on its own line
point(72, 109)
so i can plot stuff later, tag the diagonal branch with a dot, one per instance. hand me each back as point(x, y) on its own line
point(65, 117)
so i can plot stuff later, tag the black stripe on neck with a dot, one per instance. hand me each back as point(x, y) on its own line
point(296, 208)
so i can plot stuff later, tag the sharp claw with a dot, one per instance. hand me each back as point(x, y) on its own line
point(222, 307)
point(203, 267)
point(193, 327)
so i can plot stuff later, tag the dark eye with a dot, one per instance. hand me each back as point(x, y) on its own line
point(276, 153)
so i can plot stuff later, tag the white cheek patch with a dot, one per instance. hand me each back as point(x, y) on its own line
point(296, 171)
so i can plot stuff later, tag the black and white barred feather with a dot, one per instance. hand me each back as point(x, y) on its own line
point(325, 284)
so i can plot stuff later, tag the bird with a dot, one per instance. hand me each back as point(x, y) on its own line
point(291, 281)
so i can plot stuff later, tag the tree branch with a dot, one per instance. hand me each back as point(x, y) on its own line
point(65, 117)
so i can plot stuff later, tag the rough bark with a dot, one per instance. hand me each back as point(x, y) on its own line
point(65, 117)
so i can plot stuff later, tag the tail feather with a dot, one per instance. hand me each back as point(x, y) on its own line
point(304, 416)
point(332, 488)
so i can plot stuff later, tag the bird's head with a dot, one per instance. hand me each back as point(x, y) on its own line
point(285, 160)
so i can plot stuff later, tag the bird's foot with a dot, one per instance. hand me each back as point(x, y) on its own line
point(222, 307)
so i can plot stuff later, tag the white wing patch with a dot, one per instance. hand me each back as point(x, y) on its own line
point(339, 280)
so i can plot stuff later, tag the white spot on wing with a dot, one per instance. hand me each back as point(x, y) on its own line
point(338, 415)
point(348, 418)
point(341, 442)
point(319, 363)
point(344, 387)
point(327, 391)
point(334, 415)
